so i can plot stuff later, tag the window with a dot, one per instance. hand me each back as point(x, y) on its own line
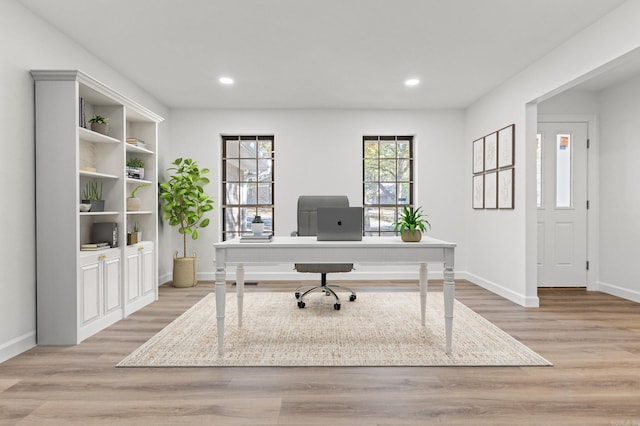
point(247, 183)
point(387, 181)
point(539, 169)
point(563, 170)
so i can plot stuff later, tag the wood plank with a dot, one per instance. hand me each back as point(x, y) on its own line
point(592, 339)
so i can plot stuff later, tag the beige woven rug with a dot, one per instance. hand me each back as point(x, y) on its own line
point(378, 329)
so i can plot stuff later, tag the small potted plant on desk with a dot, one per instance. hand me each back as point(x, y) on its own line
point(99, 124)
point(411, 224)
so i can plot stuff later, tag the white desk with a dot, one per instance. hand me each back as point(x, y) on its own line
point(386, 250)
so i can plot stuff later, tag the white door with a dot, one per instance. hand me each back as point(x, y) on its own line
point(562, 204)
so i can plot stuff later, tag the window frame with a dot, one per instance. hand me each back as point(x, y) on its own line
point(396, 206)
point(246, 210)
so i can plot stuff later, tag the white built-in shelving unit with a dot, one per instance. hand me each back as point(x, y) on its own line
point(81, 292)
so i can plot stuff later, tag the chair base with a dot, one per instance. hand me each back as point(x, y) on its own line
point(328, 290)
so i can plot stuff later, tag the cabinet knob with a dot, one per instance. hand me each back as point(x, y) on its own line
point(102, 257)
point(140, 248)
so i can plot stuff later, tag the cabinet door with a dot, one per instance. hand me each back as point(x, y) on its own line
point(147, 270)
point(90, 272)
point(133, 276)
point(111, 284)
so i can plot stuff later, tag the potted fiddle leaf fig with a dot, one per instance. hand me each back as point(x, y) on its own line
point(411, 224)
point(184, 204)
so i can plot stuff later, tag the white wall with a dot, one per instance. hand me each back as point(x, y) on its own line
point(502, 244)
point(619, 185)
point(26, 43)
point(570, 102)
point(320, 152)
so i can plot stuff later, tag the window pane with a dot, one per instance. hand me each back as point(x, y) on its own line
point(563, 171)
point(371, 219)
point(371, 193)
point(403, 149)
point(246, 217)
point(403, 193)
point(539, 168)
point(404, 170)
point(264, 193)
point(232, 170)
point(264, 170)
point(388, 170)
point(231, 219)
point(387, 193)
point(387, 218)
point(371, 149)
point(248, 193)
point(264, 149)
point(248, 149)
point(370, 170)
point(388, 149)
point(232, 194)
point(233, 150)
point(249, 170)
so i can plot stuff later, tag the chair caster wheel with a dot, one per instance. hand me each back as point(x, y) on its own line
point(336, 306)
point(301, 304)
point(297, 294)
point(352, 298)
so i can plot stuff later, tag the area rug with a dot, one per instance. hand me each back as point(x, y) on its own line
point(378, 329)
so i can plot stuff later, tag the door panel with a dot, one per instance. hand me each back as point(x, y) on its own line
point(90, 291)
point(562, 200)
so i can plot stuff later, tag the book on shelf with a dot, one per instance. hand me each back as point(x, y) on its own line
point(82, 118)
point(264, 238)
point(136, 142)
point(94, 246)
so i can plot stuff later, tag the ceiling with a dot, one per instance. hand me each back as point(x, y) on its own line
point(319, 53)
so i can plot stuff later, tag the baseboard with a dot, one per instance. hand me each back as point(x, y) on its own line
point(17, 346)
point(520, 299)
point(623, 293)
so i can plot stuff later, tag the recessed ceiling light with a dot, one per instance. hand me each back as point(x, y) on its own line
point(411, 82)
point(225, 80)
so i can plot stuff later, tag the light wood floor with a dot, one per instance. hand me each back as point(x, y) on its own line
point(593, 340)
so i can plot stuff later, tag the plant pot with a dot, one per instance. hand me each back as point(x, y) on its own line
point(184, 271)
point(411, 236)
point(132, 238)
point(257, 226)
point(96, 205)
point(100, 128)
point(135, 172)
point(133, 204)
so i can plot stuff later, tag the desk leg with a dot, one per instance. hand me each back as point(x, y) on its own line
point(424, 288)
point(449, 296)
point(240, 291)
point(221, 291)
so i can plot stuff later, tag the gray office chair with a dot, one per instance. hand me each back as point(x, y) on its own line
point(307, 226)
